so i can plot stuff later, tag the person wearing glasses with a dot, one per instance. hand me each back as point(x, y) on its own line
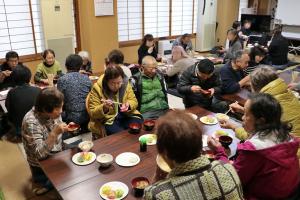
point(150, 89)
point(198, 84)
point(112, 103)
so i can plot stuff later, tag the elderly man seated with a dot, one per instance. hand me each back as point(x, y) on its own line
point(184, 41)
point(150, 90)
point(232, 75)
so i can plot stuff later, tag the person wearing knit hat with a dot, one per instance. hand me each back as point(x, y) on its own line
point(199, 84)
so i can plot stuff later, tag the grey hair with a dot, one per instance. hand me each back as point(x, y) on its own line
point(262, 76)
point(84, 54)
point(238, 55)
point(148, 60)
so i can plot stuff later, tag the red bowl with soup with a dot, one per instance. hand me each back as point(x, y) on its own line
point(138, 185)
point(149, 124)
point(135, 128)
point(225, 141)
point(73, 127)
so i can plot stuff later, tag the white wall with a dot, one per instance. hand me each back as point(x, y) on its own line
point(58, 27)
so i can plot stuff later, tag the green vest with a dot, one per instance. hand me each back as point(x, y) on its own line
point(153, 97)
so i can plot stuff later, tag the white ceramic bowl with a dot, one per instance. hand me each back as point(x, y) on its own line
point(105, 160)
point(85, 145)
point(161, 163)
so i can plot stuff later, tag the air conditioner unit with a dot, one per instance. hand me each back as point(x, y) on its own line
point(206, 25)
point(165, 48)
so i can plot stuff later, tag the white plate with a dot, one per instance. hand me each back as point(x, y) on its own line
point(114, 186)
point(75, 159)
point(202, 119)
point(193, 116)
point(127, 159)
point(222, 116)
point(154, 140)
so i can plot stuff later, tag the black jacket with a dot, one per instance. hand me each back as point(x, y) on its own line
point(143, 51)
point(188, 79)
point(230, 79)
point(136, 82)
point(8, 81)
point(278, 50)
point(19, 101)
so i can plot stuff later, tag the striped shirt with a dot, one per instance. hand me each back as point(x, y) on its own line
point(35, 131)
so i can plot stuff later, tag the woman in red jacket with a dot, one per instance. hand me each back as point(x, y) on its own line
point(266, 162)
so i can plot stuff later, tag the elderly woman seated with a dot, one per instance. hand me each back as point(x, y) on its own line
point(49, 69)
point(42, 131)
point(112, 103)
point(86, 67)
point(265, 80)
point(181, 61)
point(266, 162)
point(193, 176)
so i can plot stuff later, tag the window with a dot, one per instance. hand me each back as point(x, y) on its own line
point(195, 16)
point(129, 20)
point(161, 18)
point(243, 5)
point(182, 17)
point(156, 17)
point(20, 27)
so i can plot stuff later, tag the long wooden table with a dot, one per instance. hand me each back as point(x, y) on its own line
point(84, 182)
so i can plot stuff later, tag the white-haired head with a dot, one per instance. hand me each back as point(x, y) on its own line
point(84, 55)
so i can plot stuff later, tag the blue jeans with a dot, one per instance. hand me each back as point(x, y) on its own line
point(40, 177)
point(121, 123)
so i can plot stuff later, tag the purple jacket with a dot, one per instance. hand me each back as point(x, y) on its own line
point(270, 173)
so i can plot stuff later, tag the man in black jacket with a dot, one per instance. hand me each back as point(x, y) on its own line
point(198, 84)
point(11, 61)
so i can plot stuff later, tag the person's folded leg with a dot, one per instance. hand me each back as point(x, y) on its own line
point(155, 114)
point(42, 181)
point(115, 127)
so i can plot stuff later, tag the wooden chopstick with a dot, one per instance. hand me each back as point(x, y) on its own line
point(111, 101)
